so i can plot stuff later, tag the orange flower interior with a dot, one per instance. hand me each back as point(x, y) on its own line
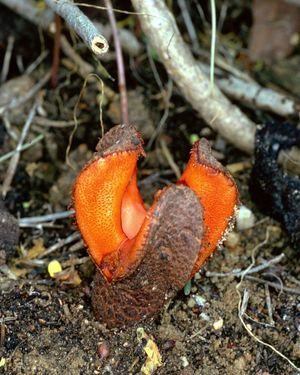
point(109, 208)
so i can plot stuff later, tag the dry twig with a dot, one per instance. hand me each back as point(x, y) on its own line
point(37, 220)
point(24, 147)
point(238, 273)
point(274, 285)
point(169, 157)
point(15, 159)
point(269, 305)
point(36, 63)
point(250, 92)
point(189, 24)
point(71, 238)
point(84, 68)
point(19, 101)
point(32, 13)
point(7, 57)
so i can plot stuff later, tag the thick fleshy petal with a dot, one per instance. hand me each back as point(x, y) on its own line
point(217, 193)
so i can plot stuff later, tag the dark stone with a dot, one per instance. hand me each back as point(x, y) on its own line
point(275, 192)
point(9, 232)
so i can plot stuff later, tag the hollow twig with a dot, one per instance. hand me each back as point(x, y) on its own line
point(43, 19)
point(120, 63)
point(36, 62)
point(129, 42)
point(81, 24)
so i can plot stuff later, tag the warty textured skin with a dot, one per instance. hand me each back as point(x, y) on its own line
point(171, 249)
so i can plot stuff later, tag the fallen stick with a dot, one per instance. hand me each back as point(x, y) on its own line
point(38, 220)
point(21, 100)
point(238, 273)
point(251, 93)
point(225, 118)
point(12, 167)
point(7, 58)
point(28, 10)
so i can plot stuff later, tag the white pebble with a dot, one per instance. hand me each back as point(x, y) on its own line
point(244, 218)
point(200, 301)
point(204, 316)
point(191, 303)
point(218, 324)
point(232, 240)
point(185, 362)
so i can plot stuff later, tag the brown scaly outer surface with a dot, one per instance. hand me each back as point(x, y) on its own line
point(119, 138)
point(171, 249)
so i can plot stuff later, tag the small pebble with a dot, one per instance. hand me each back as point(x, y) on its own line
point(218, 324)
point(244, 218)
point(103, 350)
point(200, 301)
point(191, 303)
point(185, 362)
point(240, 365)
point(204, 316)
point(187, 288)
point(54, 267)
point(232, 240)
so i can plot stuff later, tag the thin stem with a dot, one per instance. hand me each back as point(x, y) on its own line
point(7, 58)
point(120, 63)
point(56, 52)
point(24, 147)
point(213, 42)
